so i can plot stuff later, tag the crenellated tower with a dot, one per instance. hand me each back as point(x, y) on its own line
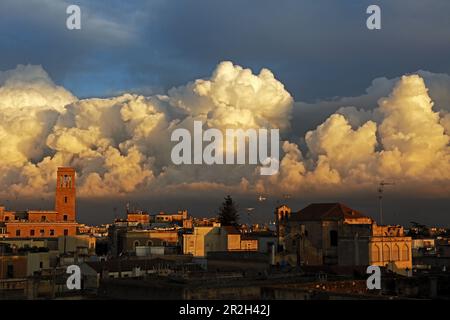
point(66, 194)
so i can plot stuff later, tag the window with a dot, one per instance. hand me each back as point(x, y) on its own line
point(405, 252)
point(149, 243)
point(65, 217)
point(17, 233)
point(43, 218)
point(52, 232)
point(32, 232)
point(396, 253)
point(66, 181)
point(10, 271)
point(42, 232)
point(65, 199)
point(41, 265)
point(66, 232)
point(375, 253)
point(6, 218)
point(136, 244)
point(333, 238)
point(386, 253)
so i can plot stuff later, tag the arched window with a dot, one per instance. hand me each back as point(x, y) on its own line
point(395, 253)
point(386, 253)
point(137, 243)
point(375, 253)
point(333, 238)
point(149, 243)
point(405, 252)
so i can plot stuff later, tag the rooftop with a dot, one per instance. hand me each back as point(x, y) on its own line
point(231, 230)
point(327, 211)
point(116, 265)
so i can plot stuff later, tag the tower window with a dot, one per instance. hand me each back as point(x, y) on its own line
point(66, 181)
point(333, 238)
point(65, 199)
point(65, 217)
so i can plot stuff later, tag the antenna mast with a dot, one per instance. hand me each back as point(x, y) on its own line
point(380, 197)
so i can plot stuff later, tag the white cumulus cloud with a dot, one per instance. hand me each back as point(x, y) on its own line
point(121, 145)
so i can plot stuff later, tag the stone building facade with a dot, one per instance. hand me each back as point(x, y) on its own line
point(334, 234)
point(216, 238)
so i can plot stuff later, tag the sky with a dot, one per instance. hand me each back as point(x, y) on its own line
point(326, 73)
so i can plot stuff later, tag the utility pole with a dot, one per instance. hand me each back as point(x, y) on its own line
point(380, 197)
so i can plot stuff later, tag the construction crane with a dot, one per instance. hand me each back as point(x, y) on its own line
point(380, 196)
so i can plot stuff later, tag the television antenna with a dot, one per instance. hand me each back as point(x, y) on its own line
point(249, 212)
point(380, 196)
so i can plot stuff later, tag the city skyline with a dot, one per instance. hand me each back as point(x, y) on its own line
point(224, 155)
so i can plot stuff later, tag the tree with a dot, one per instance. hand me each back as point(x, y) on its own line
point(419, 230)
point(228, 213)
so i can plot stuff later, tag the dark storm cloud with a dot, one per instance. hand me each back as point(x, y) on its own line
point(316, 48)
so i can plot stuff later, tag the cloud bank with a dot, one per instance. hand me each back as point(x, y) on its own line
point(121, 145)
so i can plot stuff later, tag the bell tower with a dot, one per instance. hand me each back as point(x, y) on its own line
point(65, 194)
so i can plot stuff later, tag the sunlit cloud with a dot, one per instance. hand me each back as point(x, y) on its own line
point(121, 145)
